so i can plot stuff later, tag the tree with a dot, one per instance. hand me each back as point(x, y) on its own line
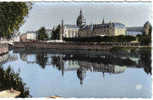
point(10, 79)
point(41, 34)
point(56, 33)
point(147, 28)
point(12, 15)
point(41, 59)
point(144, 39)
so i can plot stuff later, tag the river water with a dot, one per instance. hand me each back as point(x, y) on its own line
point(115, 74)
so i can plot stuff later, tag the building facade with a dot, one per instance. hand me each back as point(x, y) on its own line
point(104, 29)
point(70, 31)
point(28, 36)
point(83, 30)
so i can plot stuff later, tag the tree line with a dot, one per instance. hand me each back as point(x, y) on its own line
point(43, 35)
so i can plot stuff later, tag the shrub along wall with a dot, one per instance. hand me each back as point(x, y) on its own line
point(102, 39)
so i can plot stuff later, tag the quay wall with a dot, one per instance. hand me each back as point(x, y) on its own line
point(4, 49)
point(75, 46)
point(61, 46)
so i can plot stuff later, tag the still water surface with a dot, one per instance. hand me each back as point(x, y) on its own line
point(114, 75)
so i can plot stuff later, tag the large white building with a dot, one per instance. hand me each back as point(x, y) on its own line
point(30, 35)
point(82, 30)
point(70, 31)
point(104, 29)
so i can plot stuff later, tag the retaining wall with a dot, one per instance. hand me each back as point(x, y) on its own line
point(69, 46)
point(3, 49)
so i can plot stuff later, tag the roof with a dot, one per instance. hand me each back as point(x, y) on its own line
point(119, 25)
point(71, 26)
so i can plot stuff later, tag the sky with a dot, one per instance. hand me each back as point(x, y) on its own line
point(50, 14)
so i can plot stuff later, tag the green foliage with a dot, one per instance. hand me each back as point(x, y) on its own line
point(41, 59)
point(147, 28)
point(120, 38)
point(12, 16)
point(144, 39)
point(10, 79)
point(41, 34)
point(56, 33)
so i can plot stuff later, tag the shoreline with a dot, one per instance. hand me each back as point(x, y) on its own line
point(4, 48)
point(77, 46)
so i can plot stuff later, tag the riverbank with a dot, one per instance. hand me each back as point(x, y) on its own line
point(4, 48)
point(76, 46)
point(9, 94)
point(61, 46)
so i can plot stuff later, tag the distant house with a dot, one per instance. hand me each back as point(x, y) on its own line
point(28, 36)
point(133, 31)
point(16, 39)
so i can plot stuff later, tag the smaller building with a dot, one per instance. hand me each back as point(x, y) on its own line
point(133, 33)
point(29, 36)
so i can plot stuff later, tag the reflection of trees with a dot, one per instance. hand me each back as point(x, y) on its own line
point(7, 58)
point(41, 59)
point(145, 60)
point(10, 79)
point(58, 62)
point(81, 74)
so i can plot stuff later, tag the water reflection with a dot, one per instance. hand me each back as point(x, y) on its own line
point(41, 59)
point(145, 60)
point(109, 63)
point(7, 58)
point(10, 79)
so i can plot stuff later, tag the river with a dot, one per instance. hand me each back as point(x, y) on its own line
point(115, 74)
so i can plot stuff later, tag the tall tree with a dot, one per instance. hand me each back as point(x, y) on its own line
point(12, 15)
point(41, 34)
point(56, 33)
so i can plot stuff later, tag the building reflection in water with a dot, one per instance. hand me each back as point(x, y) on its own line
point(83, 63)
point(7, 58)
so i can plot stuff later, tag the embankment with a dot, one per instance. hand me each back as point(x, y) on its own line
point(3, 49)
point(90, 46)
point(61, 46)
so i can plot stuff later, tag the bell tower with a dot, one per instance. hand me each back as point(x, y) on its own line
point(80, 20)
point(62, 30)
point(103, 22)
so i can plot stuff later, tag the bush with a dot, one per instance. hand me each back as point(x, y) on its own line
point(120, 38)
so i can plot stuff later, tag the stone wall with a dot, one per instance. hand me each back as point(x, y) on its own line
point(68, 46)
point(3, 48)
